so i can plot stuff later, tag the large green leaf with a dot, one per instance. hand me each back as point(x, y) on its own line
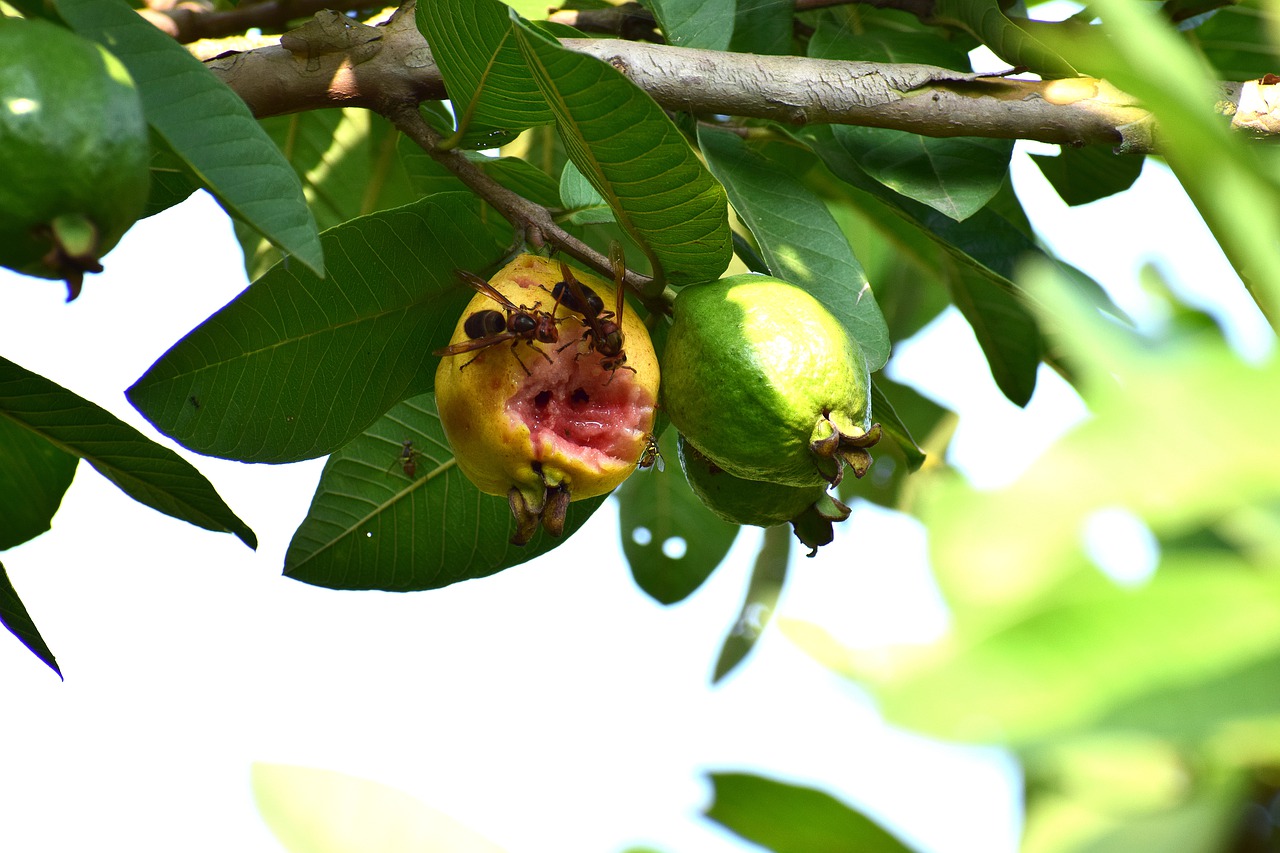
point(794, 819)
point(798, 236)
point(377, 523)
point(349, 166)
point(14, 616)
point(34, 475)
point(295, 366)
point(143, 470)
point(704, 24)
point(956, 176)
point(426, 176)
point(484, 71)
point(320, 811)
point(768, 576)
point(659, 513)
point(207, 125)
point(1238, 40)
point(1017, 45)
point(637, 160)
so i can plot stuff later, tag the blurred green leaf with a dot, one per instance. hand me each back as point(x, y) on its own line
point(794, 819)
point(1237, 39)
point(375, 523)
point(192, 110)
point(798, 237)
point(483, 69)
point(14, 616)
point(320, 811)
point(34, 475)
point(768, 576)
point(295, 367)
point(763, 27)
point(636, 159)
point(894, 428)
point(145, 471)
point(704, 24)
point(658, 506)
point(1082, 175)
point(1232, 185)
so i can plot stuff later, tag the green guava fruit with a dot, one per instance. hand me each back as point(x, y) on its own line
point(74, 144)
point(810, 509)
point(765, 381)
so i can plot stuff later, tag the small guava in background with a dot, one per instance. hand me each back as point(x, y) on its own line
point(75, 150)
point(543, 424)
point(766, 382)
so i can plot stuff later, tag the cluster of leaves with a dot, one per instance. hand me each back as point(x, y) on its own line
point(351, 232)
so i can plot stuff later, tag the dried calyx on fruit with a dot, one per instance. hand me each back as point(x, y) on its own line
point(536, 403)
point(761, 377)
point(811, 510)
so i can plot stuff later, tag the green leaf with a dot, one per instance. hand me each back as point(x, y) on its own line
point(376, 524)
point(1006, 331)
point(320, 811)
point(427, 177)
point(483, 69)
point(143, 470)
point(656, 507)
point(1017, 45)
point(704, 24)
point(763, 27)
point(34, 475)
point(349, 165)
point(1082, 175)
point(636, 159)
point(14, 616)
point(295, 366)
point(207, 125)
point(799, 238)
point(956, 176)
point(894, 428)
point(585, 206)
point(767, 579)
point(172, 181)
point(1238, 41)
point(794, 819)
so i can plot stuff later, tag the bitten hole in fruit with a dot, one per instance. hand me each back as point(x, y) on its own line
point(571, 406)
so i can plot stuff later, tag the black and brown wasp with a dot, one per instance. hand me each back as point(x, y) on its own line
point(651, 457)
point(603, 332)
point(513, 323)
point(408, 459)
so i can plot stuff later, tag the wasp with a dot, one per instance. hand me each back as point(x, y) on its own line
point(408, 459)
point(651, 457)
point(604, 328)
point(513, 323)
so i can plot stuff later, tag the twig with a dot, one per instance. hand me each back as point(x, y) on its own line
point(532, 221)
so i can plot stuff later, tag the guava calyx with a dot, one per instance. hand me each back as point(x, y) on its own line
point(815, 525)
point(833, 448)
point(532, 510)
point(74, 248)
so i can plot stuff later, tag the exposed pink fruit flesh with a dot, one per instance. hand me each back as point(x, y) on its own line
point(575, 408)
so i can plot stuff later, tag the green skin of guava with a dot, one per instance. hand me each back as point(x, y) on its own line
point(73, 132)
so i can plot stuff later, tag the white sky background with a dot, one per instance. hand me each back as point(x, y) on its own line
point(552, 707)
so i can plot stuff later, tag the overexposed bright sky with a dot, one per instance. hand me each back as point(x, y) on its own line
point(552, 707)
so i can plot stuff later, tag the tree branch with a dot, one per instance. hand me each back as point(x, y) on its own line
point(334, 61)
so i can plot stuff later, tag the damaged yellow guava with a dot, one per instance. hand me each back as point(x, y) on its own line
point(544, 422)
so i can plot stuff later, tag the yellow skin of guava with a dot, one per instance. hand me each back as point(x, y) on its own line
point(571, 423)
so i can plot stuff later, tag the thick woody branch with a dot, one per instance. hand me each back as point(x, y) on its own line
point(336, 62)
